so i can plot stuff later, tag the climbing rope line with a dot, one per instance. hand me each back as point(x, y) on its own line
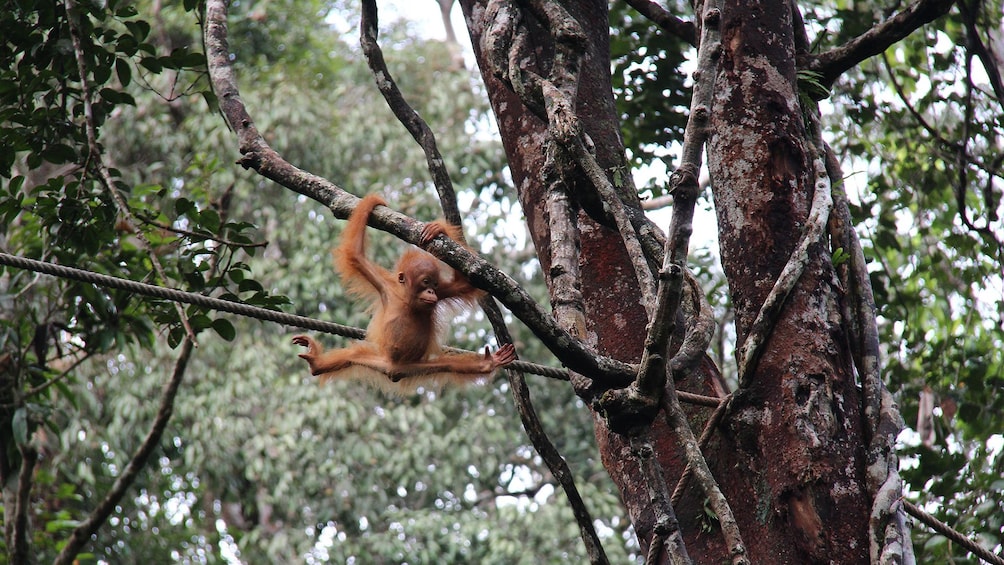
point(173, 295)
point(952, 534)
point(256, 312)
point(358, 333)
point(211, 303)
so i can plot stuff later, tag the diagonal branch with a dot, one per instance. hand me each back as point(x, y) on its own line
point(989, 55)
point(833, 63)
point(666, 535)
point(666, 21)
point(766, 318)
point(405, 114)
point(83, 532)
point(953, 534)
point(267, 162)
point(931, 130)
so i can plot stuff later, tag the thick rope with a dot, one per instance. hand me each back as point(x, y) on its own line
point(223, 305)
point(249, 311)
point(179, 296)
point(952, 534)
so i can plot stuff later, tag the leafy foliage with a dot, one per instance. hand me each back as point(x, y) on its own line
point(653, 95)
point(258, 463)
point(929, 202)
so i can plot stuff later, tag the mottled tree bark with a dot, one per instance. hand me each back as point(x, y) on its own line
point(789, 454)
point(793, 449)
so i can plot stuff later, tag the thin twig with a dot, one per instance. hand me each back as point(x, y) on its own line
point(933, 132)
point(83, 532)
point(94, 153)
point(197, 235)
point(66, 372)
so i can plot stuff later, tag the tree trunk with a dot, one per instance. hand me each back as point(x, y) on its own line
point(792, 449)
point(789, 454)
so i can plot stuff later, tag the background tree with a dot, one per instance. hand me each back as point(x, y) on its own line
point(124, 168)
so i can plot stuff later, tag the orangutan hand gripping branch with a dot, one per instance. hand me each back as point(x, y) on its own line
point(401, 351)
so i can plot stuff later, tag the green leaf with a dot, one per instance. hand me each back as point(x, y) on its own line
point(151, 64)
point(840, 257)
point(124, 71)
point(183, 206)
point(225, 329)
point(250, 285)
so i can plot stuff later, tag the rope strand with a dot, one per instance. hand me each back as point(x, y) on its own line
point(211, 303)
point(249, 311)
point(256, 312)
point(952, 534)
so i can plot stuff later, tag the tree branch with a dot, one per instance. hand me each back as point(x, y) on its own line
point(564, 125)
point(952, 534)
point(666, 21)
point(555, 97)
point(833, 63)
point(950, 145)
point(702, 443)
point(667, 535)
point(405, 114)
point(684, 187)
point(268, 163)
point(505, 48)
point(766, 318)
point(566, 298)
point(82, 533)
point(20, 542)
point(993, 62)
point(888, 531)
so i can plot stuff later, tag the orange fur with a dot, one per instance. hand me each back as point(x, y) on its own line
point(401, 351)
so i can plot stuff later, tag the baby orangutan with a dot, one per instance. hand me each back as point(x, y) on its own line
point(402, 351)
